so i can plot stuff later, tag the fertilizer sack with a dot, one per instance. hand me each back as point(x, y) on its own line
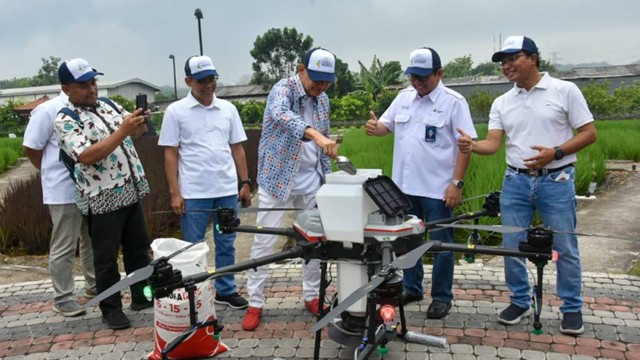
point(171, 314)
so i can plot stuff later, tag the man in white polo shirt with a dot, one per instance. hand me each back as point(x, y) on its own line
point(427, 165)
point(41, 146)
point(203, 136)
point(538, 116)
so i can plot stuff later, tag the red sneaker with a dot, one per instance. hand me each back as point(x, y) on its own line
point(251, 319)
point(313, 306)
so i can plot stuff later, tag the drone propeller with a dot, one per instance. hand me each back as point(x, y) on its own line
point(401, 262)
point(240, 210)
point(137, 276)
point(507, 229)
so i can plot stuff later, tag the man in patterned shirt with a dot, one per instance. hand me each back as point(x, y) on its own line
point(110, 182)
point(293, 158)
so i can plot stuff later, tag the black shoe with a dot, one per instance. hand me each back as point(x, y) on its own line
point(116, 319)
point(572, 323)
point(233, 300)
point(408, 298)
point(513, 314)
point(438, 310)
point(141, 306)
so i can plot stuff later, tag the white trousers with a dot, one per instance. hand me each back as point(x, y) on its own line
point(263, 246)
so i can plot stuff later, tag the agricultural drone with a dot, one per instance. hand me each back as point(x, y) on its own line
point(361, 224)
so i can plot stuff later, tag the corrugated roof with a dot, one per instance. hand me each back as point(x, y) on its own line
point(235, 91)
point(103, 84)
point(31, 105)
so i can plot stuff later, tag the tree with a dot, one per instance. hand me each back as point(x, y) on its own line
point(127, 104)
point(459, 67)
point(345, 80)
point(48, 72)
point(546, 65)
point(379, 76)
point(486, 68)
point(277, 53)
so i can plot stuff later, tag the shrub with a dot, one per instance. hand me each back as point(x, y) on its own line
point(352, 108)
point(25, 224)
point(480, 104)
point(251, 112)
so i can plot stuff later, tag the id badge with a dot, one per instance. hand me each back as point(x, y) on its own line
point(430, 133)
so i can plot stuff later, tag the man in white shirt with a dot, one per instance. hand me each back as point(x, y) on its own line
point(203, 136)
point(538, 116)
point(41, 146)
point(427, 165)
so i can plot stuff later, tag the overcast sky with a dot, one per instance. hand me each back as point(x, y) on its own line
point(133, 38)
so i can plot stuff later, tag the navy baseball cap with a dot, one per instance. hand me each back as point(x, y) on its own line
point(320, 64)
point(199, 67)
point(513, 45)
point(423, 62)
point(76, 70)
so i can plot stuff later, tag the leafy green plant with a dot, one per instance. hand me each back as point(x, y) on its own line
point(480, 102)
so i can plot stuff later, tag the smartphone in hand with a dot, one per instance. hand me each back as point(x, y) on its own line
point(141, 102)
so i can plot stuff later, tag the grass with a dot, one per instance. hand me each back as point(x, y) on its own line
point(616, 140)
point(10, 151)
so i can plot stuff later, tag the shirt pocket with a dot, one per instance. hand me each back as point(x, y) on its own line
point(433, 127)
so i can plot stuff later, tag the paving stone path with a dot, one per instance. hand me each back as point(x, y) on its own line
point(30, 330)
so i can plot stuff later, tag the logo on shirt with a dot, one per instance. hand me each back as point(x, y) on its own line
point(437, 111)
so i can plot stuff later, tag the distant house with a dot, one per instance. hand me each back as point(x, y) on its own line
point(126, 88)
point(240, 93)
point(25, 110)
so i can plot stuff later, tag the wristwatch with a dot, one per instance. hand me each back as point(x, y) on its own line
point(248, 182)
point(458, 183)
point(559, 153)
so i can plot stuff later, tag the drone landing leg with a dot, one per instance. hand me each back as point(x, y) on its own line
point(193, 320)
point(321, 295)
point(537, 325)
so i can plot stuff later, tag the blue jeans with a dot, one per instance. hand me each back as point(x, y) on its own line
point(429, 209)
point(194, 224)
point(553, 196)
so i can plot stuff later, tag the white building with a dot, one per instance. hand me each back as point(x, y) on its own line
point(126, 88)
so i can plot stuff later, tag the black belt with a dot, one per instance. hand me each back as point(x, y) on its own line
point(538, 172)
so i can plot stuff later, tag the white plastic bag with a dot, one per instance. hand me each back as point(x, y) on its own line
point(171, 314)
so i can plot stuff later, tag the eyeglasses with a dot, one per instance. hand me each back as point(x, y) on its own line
point(207, 80)
point(508, 60)
point(418, 78)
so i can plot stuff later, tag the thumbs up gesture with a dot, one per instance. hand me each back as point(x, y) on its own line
point(372, 124)
point(465, 142)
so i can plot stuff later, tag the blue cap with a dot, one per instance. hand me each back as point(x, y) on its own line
point(76, 70)
point(513, 45)
point(199, 67)
point(423, 62)
point(320, 65)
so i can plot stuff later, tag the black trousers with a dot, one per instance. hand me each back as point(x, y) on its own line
point(124, 227)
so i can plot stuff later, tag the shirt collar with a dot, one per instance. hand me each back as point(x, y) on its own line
point(433, 95)
point(543, 83)
point(299, 89)
point(193, 102)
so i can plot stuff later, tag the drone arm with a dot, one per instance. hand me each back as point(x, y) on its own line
point(488, 250)
point(260, 230)
point(297, 251)
point(466, 216)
